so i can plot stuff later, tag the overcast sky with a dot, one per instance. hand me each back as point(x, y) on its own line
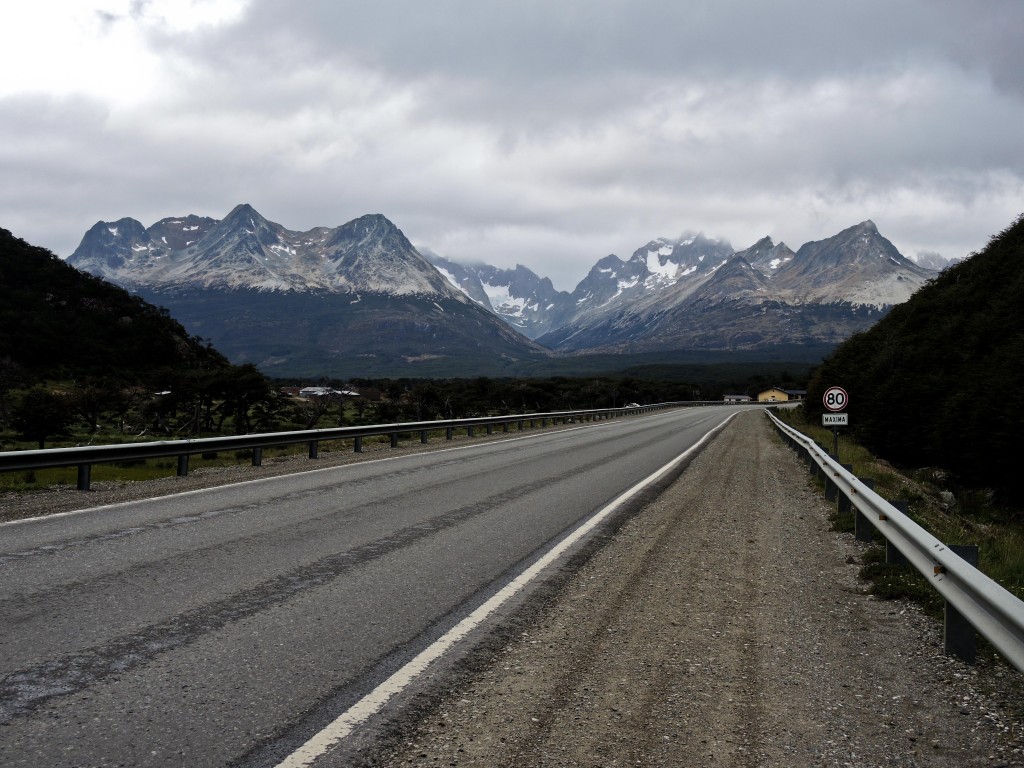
point(548, 133)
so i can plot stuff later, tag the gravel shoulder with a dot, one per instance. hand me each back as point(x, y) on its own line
point(724, 625)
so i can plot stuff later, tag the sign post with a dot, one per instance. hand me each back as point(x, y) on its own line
point(835, 399)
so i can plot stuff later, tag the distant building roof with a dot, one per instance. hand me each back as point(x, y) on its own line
point(321, 391)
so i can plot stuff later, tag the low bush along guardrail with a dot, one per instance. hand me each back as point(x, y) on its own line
point(973, 601)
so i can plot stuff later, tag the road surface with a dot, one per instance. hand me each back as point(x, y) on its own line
point(230, 625)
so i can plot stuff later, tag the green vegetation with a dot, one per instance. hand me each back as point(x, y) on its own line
point(937, 381)
point(59, 323)
point(933, 390)
point(974, 518)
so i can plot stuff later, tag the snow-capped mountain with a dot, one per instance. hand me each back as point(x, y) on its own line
point(767, 257)
point(245, 250)
point(528, 303)
point(286, 299)
point(659, 266)
point(715, 298)
point(350, 300)
point(857, 266)
point(532, 306)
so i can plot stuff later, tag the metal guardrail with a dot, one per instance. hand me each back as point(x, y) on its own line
point(85, 457)
point(973, 600)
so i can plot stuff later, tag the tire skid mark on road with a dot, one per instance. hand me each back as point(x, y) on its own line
point(604, 671)
point(177, 521)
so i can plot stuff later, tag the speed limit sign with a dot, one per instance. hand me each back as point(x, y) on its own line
point(835, 398)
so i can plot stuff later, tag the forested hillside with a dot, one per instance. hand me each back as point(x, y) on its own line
point(938, 382)
point(80, 356)
point(57, 322)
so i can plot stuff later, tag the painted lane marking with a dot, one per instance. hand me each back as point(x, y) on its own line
point(375, 701)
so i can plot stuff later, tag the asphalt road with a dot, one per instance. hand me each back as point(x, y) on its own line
point(228, 626)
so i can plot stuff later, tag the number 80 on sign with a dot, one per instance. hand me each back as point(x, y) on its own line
point(835, 398)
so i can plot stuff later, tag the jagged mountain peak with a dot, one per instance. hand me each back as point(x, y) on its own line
point(695, 238)
point(245, 250)
point(107, 246)
point(767, 256)
point(735, 280)
point(244, 219)
point(858, 265)
point(372, 228)
point(521, 298)
point(862, 242)
point(240, 211)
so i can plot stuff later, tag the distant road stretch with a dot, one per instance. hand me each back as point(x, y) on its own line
point(231, 625)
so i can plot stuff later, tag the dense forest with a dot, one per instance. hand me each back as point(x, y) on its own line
point(938, 381)
point(60, 322)
point(75, 348)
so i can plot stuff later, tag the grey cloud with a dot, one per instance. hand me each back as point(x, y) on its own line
point(528, 41)
point(551, 134)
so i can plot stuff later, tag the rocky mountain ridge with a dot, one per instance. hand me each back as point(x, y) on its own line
point(357, 297)
point(245, 250)
point(693, 292)
point(840, 285)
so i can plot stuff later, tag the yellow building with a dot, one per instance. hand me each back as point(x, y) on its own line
point(776, 395)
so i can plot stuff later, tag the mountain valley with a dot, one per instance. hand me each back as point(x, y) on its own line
point(360, 299)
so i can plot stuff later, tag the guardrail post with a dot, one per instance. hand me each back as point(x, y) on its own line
point(862, 528)
point(423, 437)
point(543, 422)
point(182, 465)
point(84, 476)
point(469, 431)
point(958, 634)
point(394, 439)
point(831, 489)
point(818, 470)
point(504, 426)
point(357, 444)
point(520, 425)
point(257, 457)
point(845, 505)
point(314, 449)
point(449, 434)
point(490, 429)
point(892, 555)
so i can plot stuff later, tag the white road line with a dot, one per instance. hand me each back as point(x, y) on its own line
point(374, 701)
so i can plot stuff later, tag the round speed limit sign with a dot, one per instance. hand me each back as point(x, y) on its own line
point(835, 398)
